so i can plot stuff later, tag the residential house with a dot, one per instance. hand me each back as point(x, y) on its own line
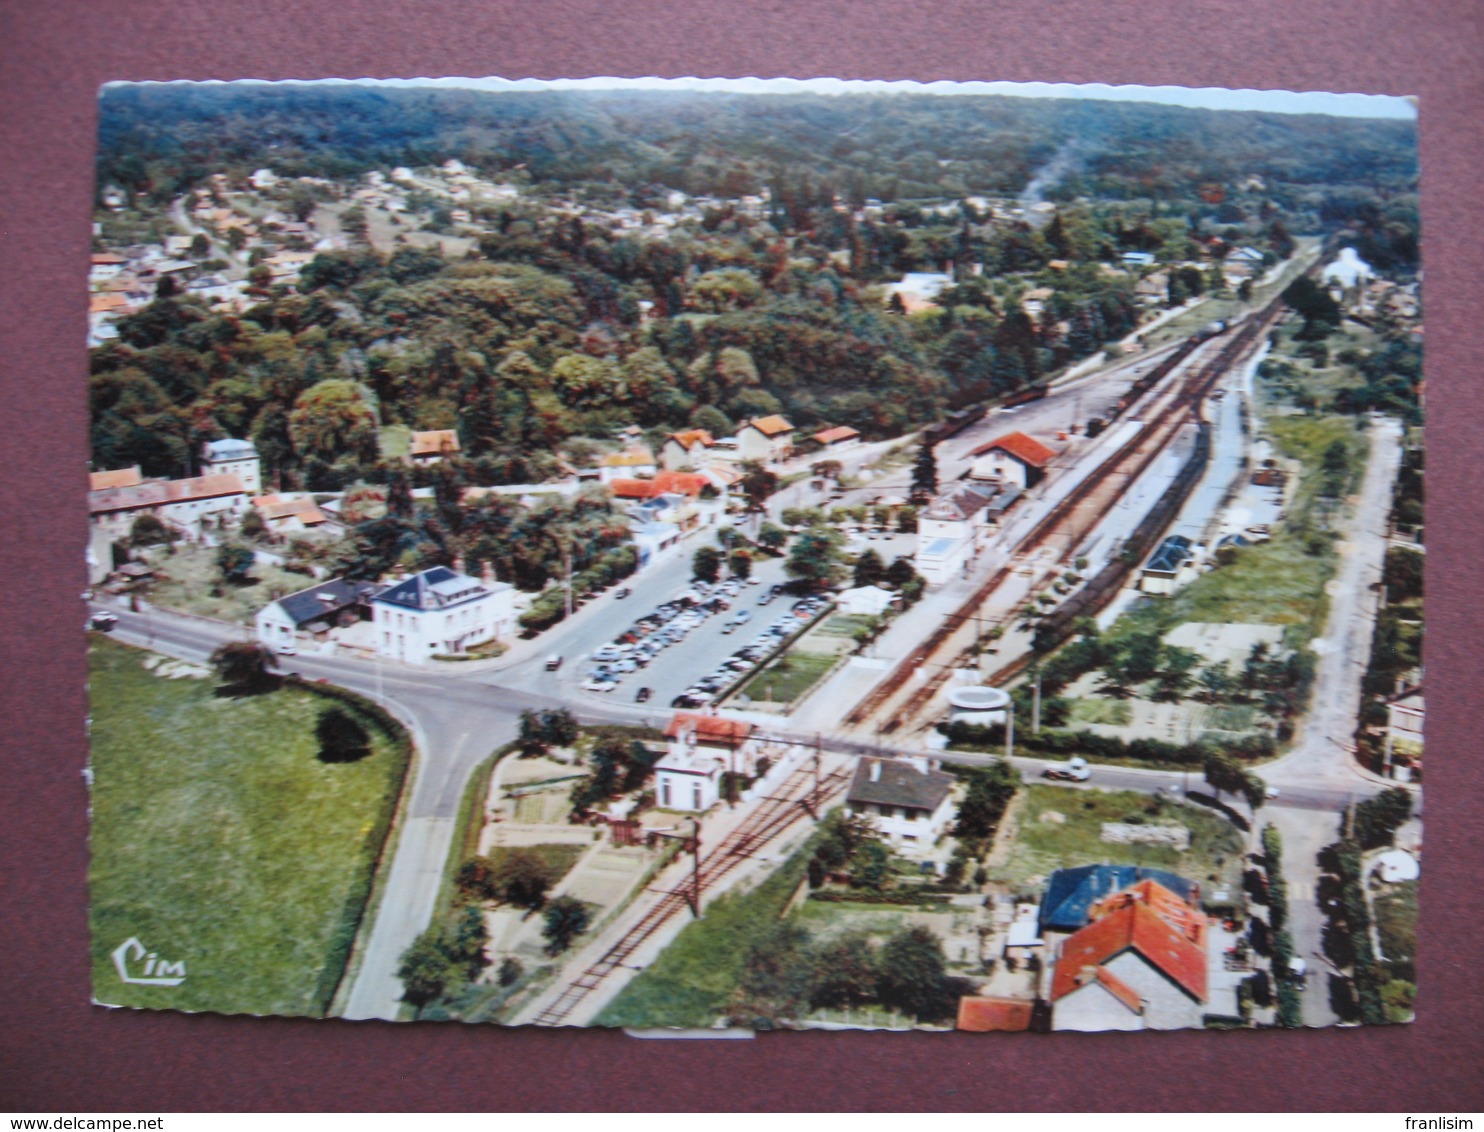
point(735, 743)
point(1071, 894)
point(953, 527)
point(1140, 963)
point(869, 600)
point(635, 461)
point(235, 457)
point(318, 609)
point(440, 612)
point(687, 778)
point(1137, 260)
point(1014, 458)
point(184, 504)
point(837, 439)
point(285, 515)
point(908, 800)
point(768, 440)
point(431, 447)
point(670, 497)
point(1242, 263)
point(685, 451)
point(1034, 301)
point(651, 538)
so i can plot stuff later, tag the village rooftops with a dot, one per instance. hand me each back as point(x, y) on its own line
point(1026, 449)
point(156, 493)
point(898, 782)
point(960, 502)
point(119, 477)
point(326, 599)
point(1072, 893)
point(688, 484)
point(709, 730)
point(229, 449)
point(691, 437)
point(1173, 551)
point(631, 458)
point(837, 435)
point(1133, 928)
point(774, 425)
point(438, 588)
point(273, 507)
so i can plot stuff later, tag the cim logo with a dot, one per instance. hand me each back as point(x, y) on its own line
point(156, 972)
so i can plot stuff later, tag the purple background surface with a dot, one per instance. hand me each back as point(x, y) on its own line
point(58, 1053)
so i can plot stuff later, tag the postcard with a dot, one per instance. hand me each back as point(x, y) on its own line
point(750, 554)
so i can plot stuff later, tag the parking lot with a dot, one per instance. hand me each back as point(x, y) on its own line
point(690, 639)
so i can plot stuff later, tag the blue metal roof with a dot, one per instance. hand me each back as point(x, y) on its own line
point(1072, 892)
point(1170, 554)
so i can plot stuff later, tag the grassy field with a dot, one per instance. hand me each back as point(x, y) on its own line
point(1042, 846)
point(1396, 922)
point(1091, 709)
point(220, 839)
point(693, 979)
point(188, 580)
point(394, 441)
point(788, 677)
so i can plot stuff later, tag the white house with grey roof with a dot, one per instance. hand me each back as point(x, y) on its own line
point(235, 456)
point(331, 604)
point(440, 612)
point(908, 800)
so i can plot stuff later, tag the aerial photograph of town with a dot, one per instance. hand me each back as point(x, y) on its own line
point(756, 554)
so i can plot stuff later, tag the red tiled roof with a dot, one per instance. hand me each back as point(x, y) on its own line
point(770, 426)
point(664, 483)
point(838, 433)
point(1132, 928)
point(1169, 907)
point(713, 730)
point(119, 477)
point(982, 1014)
point(690, 436)
point(107, 258)
point(157, 493)
point(1024, 448)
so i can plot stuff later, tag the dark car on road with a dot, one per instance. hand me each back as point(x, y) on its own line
point(642, 695)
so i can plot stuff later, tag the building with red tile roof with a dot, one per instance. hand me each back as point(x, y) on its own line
point(765, 439)
point(688, 484)
point(1013, 458)
point(430, 447)
point(686, 449)
point(1131, 969)
point(119, 477)
point(733, 743)
point(841, 436)
point(982, 1014)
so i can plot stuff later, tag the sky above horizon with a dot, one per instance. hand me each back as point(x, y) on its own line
point(1214, 98)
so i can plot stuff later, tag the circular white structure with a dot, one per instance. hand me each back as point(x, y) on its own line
point(979, 698)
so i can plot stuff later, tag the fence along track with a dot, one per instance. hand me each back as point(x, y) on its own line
point(777, 812)
point(1168, 416)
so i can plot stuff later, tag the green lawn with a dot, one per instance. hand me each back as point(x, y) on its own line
point(1396, 922)
point(220, 840)
point(1040, 847)
point(788, 677)
point(1092, 709)
point(394, 441)
point(693, 979)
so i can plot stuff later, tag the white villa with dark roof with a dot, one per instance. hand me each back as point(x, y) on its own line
point(333, 603)
point(440, 612)
point(908, 800)
point(237, 457)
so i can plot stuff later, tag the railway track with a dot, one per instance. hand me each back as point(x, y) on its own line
point(798, 794)
point(1066, 524)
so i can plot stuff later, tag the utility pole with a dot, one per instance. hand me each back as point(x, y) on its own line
point(1036, 704)
point(1009, 729)
point(695, 855)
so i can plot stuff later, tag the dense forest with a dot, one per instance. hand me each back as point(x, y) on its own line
point(557, 329)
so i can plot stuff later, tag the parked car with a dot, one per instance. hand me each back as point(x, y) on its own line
point(643, 694)
point(104, 622)
point(1074, 769)
point(623, 593)
point(553, 662)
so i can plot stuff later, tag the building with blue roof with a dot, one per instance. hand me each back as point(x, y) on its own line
point(1071, 893)
point(1162, 572)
